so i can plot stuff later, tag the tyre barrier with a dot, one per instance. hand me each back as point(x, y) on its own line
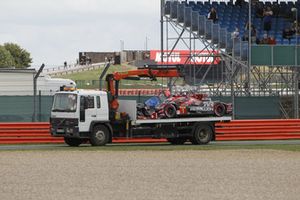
point(38, 132)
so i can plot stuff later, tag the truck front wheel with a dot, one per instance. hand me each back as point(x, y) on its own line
point(99, 135)
point(202, 134)
point(73, 142)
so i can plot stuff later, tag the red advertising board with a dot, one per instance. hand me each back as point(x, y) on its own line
point(185, 57)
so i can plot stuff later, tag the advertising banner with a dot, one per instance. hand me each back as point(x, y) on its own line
point(185, 57)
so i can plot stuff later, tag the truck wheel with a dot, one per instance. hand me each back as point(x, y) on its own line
point(73, 142)
point(219, 109)
point(99, 136)
point(202, 135)
point(177, 141)
point(170, 111)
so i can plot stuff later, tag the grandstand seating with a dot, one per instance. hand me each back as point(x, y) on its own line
point(193, 14)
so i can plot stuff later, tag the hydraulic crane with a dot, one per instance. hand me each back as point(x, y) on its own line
point(114, 79)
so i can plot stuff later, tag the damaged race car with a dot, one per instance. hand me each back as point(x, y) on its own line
point(185, 106)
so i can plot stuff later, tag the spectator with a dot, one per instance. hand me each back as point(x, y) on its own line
point(259, 7)
point(253, 33)
point(267, 19)
point(272, 40)
point(239, 3)
point(288, 33)
point(265, 39)
point(235, 33)
point(275, 9)
point(213, 15)
point(65, 64)
point(296, 28)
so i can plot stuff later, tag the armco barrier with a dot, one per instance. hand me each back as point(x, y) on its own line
point(258, 129)
point(38, 133)
point(31, 133)
point(23, 133)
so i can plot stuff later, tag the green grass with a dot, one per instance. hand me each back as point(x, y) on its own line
point(90, 79)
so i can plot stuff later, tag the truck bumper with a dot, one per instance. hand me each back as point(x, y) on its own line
point(65, 132)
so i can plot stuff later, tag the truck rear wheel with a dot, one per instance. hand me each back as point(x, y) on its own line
point(177, 141)
point(73, 142)
point(202, 134)
point(99, 135)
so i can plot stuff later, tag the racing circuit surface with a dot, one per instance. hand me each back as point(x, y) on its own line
point(214, 174)
point(218, 144)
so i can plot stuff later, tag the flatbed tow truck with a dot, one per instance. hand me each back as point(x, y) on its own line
point(82, 116)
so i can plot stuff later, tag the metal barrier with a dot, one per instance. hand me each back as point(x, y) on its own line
point(258, 129)
point(26, 133)
point(32, 133)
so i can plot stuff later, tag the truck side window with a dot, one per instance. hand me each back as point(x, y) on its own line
point(91, 102)
point(98, 102)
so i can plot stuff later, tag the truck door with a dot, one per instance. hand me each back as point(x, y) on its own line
point(88, 112)
point(102, 111)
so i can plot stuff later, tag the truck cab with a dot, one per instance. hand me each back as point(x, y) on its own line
point(76, 114)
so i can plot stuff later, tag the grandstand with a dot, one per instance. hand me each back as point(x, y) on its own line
point(272, 69)
point(231, 16)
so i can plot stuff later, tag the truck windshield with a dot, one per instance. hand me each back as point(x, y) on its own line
point(64, 103)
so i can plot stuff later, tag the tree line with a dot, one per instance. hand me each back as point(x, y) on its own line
point(12, 55)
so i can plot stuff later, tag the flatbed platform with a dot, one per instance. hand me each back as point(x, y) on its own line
point(177, 120)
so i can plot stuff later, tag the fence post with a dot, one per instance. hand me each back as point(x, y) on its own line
point(40, 106)
point(34, 91)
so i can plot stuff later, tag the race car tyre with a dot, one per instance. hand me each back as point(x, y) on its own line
point(177, 141)
point(170, 111)
point(203, 134)
point(219, 109)
point(73, 142)
point(99, 136)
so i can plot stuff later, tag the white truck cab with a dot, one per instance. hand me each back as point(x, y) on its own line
point(75, 111)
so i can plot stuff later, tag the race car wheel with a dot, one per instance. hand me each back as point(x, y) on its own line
point(170, 111)
point(219, 109)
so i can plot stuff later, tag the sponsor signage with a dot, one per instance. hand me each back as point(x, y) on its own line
point(185, 57)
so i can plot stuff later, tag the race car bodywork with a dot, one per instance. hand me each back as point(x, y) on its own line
point(188, 105)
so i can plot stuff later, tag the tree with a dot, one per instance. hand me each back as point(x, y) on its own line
point(6, 59)
point(21, 57)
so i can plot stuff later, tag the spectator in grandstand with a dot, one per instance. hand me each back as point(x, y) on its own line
point(235, 33)
point(239, 3)
point(259, 8)
point(275, 9)
point(267, 19)
point(272, 40)
point(213, 15)
point(296, 27)
point(253, 33)
point(288, 33)
point(265, 39)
